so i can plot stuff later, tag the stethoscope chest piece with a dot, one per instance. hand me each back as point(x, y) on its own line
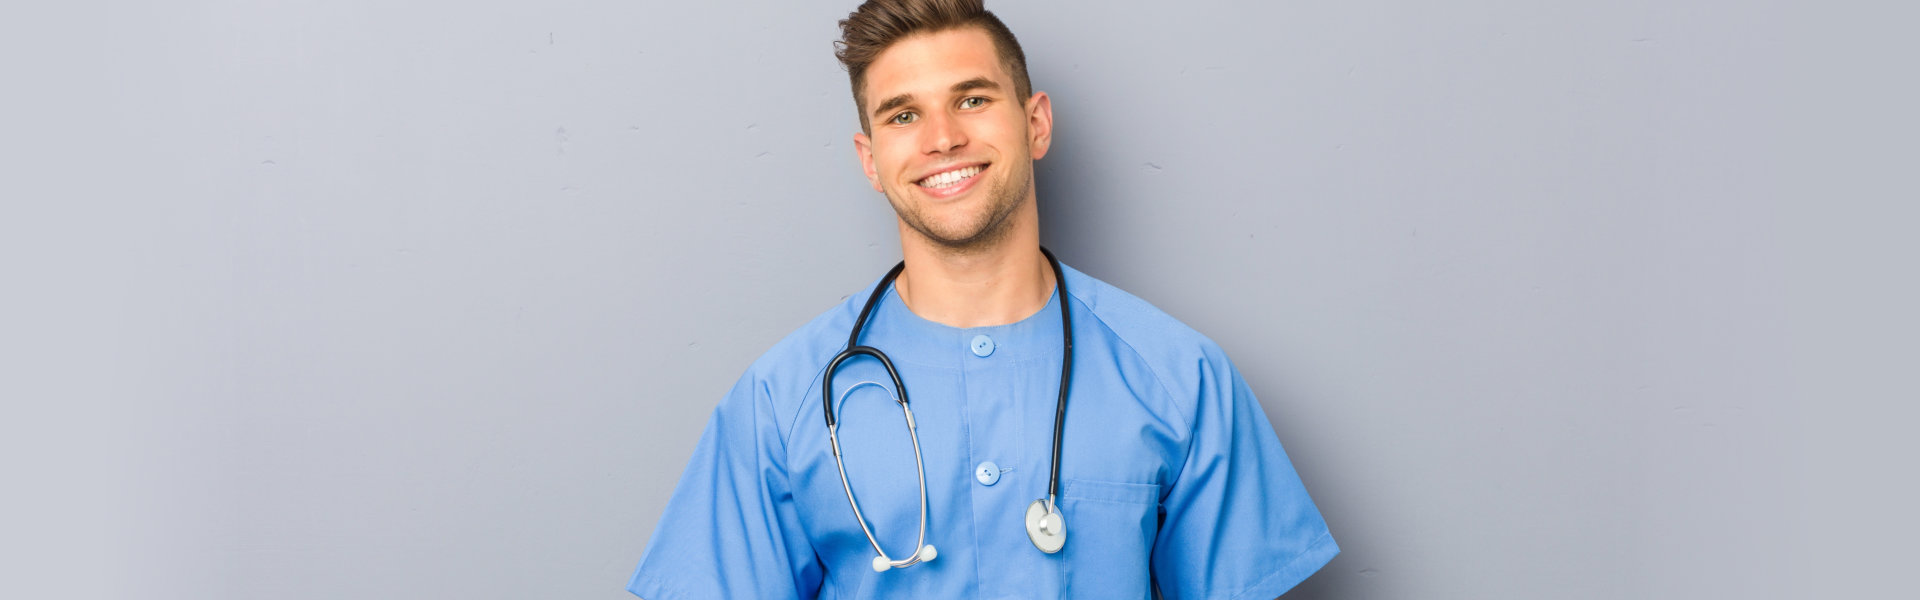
point(1047, 528)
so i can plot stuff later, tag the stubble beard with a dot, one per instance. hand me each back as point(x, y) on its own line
point(986, 231)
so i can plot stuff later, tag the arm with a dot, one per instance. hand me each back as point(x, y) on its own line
point(1238, 521)
point(731, 529)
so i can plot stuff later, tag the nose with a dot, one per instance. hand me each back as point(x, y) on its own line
point(944, 134)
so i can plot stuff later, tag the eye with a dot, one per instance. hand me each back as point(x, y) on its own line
point(904, 118)
point(973, 102)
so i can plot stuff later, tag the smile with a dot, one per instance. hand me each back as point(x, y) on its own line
point(952, 178)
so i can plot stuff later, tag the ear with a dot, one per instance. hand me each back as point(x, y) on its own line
point(863, 146)
point(1039, 124)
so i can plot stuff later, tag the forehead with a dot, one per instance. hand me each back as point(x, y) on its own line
point(928, 63)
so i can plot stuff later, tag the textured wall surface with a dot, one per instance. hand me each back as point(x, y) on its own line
point(359, 299)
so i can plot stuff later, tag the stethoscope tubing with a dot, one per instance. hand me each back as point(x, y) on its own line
point(1066, 377)
point(854, 349)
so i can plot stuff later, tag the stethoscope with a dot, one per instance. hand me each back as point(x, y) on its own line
point(1045, 525)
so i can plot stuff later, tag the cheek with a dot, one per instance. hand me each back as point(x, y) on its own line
point(892, 162)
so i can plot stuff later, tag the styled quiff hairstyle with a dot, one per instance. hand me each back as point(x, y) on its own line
point(877, 24)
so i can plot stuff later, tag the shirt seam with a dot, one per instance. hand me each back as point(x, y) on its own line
point(973, 525)
point(786, 467)
point(1158, 381)
point(793, 418)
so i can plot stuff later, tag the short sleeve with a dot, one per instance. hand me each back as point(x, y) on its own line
point(731, 529)
point(1238, 524)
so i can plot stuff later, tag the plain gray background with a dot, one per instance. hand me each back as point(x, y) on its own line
point(354, 299)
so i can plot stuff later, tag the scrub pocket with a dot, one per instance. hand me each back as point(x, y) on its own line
point(1110, 534)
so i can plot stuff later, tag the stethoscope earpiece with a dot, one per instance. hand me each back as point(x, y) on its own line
point(925, 554)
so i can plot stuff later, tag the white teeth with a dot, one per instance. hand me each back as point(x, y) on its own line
point(949, 178)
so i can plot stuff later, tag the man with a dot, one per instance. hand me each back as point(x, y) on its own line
point(1169, 477)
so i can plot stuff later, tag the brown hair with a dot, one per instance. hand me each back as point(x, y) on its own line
point(877, 24)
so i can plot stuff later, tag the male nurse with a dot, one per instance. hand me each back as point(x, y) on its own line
point(1167, 480)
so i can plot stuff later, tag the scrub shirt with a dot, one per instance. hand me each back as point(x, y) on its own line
point(1170, 474)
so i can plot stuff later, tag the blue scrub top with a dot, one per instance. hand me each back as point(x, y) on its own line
point(1170, 474)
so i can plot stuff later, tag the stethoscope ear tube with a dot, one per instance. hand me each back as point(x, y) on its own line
point(922, 551)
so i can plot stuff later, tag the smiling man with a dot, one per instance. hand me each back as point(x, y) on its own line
point(982, 421)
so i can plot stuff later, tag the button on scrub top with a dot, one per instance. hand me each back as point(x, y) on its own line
point(987, 473)
point(1170, 472)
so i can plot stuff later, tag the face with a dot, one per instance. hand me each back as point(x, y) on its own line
point(951, 145)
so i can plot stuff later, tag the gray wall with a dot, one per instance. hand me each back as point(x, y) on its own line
point(431, 300)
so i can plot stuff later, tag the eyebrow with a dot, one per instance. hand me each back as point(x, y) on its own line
point(977, 83)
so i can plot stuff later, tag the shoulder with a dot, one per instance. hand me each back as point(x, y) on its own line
point(1184, 362)
point(1156, 335)
point(782, 376)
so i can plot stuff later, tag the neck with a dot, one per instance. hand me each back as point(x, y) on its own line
point(976, 287)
